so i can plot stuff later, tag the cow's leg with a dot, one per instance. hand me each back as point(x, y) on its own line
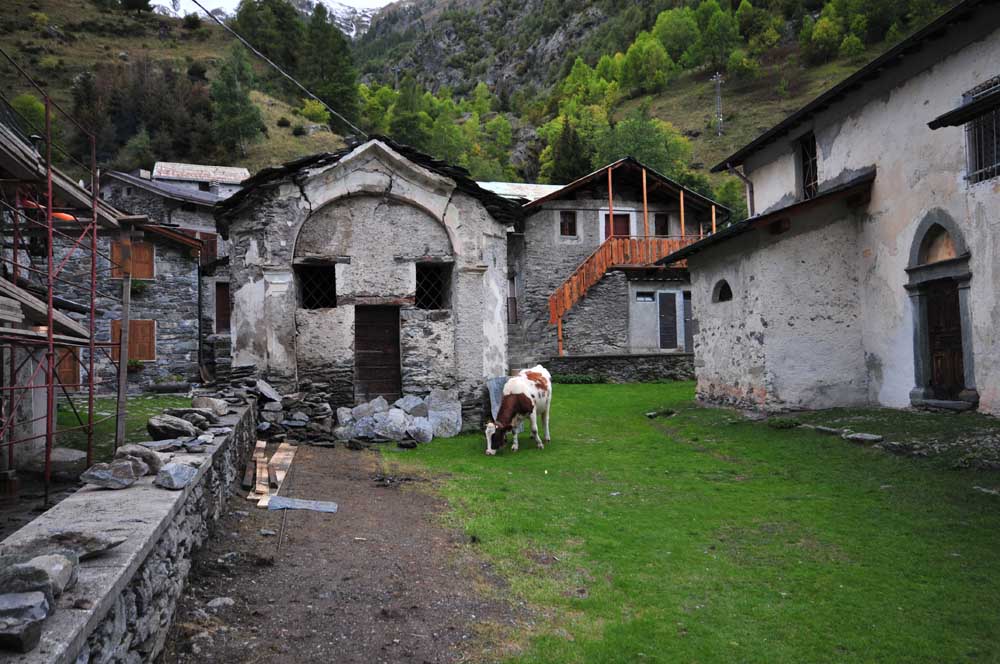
point(513, 447)
point(534, 428)
point(489, 447)
point(548, 409)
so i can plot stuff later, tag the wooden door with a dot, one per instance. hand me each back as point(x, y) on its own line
point(944, 327)
point(688, 324)
point(223, 309)
point(68, 368)
point(668, 319)
point(622, 225)
point(376, 353)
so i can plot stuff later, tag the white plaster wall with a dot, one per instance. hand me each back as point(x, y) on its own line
point(644, 317)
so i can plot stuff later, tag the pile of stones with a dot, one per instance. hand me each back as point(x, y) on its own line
point(410, 420)
point(33, 573)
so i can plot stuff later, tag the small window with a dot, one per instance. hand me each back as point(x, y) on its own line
point(204, 186)
point(433, 286)
point(982, 136)
point(661, 224)
point(645, 296)
point(722, 292)
point(810, 173)
point(317, 286)
point(567, 223)
point(128, 191)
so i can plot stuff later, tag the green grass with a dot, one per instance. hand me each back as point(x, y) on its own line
point(140, 409)
point(704, 537)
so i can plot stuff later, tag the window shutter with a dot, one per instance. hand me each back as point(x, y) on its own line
point(68, 368)
point(668, 320)
point(141, 339)
point(210, 248)
point(116, 336)
point(142, 260)
point(116, 260)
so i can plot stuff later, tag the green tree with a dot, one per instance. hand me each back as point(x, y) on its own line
point(136, 153)
point(570, 157)
point(742, 66)
point(653, 142)
point(719, 38)
point(607, 69)
point(315, 111)
point(746, 18)
point(410, 123)
point(826, 38)
point(137, 6)
point(732, 194)
point(482, 100)
point(326, 66)
point(851, 48)
point(677, 29)
point(706, 10)
point(647, 65)
point(236, 119)
point(31, 111)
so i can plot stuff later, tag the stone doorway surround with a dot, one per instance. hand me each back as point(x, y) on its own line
point(919, 275)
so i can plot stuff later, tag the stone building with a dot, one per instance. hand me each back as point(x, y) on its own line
point(375, 271)
point(869, 275)
point(222, 181)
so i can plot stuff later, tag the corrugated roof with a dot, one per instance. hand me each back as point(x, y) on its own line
point(170, 170)
point(520, 191)
point(184, 194)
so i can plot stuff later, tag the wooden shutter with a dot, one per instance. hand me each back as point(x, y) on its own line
point(141, 260)
point(68, 368)
point(668, 320)
point(622, 225)
point(117, 271)
point(210, 248)
point(141, 339)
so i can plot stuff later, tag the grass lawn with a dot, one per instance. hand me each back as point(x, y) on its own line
point(704, 537)
point(140, 409)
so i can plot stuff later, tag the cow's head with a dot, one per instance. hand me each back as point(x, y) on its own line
point(496, 436)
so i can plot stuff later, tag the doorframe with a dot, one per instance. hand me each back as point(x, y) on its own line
point(919, 277)
point(632, 228)
point(679, 313)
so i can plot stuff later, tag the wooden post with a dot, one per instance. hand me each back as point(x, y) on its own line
point(713, 219)
point(126, 259)
point(683, 233)
point(559, 335)
point(611, 209)
point(645, 205)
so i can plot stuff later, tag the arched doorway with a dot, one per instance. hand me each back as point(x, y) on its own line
point(938, 283)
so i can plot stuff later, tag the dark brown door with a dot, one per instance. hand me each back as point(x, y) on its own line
point(376, 354)
point(68, 368)
point(944, 327)
point(621, 225)
point(668, 320)
point(223, 309)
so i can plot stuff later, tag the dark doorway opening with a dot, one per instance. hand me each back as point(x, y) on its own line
point(668, 320)
point(944, 334)
point(376, 354)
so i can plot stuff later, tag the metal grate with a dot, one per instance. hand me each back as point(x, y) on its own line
point(982, 136)
point(810, 170)
point(433, 286)
point(317, 286)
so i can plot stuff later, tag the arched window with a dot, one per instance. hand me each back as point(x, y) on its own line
point(937, 246)
point(722, 292)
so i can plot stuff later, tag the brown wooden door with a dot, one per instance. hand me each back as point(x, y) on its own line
point(222, 307)
point(376, 353)
point(668, 320)
point(68, 368)
point(621, 225)
point(944, 327)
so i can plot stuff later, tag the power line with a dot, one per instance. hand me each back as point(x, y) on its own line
point(278, 69)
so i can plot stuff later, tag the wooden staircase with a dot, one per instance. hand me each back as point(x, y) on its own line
point(616, 251)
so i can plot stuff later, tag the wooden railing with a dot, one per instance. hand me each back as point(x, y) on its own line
point(617, 251)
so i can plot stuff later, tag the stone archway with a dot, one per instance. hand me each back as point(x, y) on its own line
point(938, 279)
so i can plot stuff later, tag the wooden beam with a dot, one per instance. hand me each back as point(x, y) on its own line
point(713, 219)
point(559, 335)
point(611, 210)
point(682, 214)
point(126, 259)
point(645, 205)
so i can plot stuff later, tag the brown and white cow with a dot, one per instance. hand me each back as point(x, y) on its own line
point(526, 395)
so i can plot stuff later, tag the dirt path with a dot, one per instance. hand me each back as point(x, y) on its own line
point(380, 581)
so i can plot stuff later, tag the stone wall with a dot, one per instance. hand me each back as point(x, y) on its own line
point(134, 588)
point(599, 321)
point(626, 368)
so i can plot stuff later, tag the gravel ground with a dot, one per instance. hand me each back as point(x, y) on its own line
point(380, 581)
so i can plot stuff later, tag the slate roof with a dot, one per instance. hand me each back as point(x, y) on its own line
point(171, 170)
point(172, 191)
point(520, 191)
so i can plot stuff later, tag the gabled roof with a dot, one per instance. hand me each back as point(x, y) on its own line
point(170, 170)
point(182, 194)
point(598, 177)
point(500, 208)
point(960, 13)
point(521, 192)
point(860, 185)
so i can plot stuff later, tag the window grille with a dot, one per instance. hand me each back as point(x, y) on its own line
point(317, 286)
point(810, 171)
point(433, 286)
point(982, 136)
point(567, 224)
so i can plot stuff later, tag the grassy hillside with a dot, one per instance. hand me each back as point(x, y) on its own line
point(74, 36)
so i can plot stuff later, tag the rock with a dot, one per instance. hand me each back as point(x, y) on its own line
point(21, 616)
point(272, 407)
point(344, 416)
point(829, 430)
point(26, 579)
point(267, 532)
point(206, 413)
point(220, 431)
point(362, 411)
point(408, 403)
point(272, 416)
point(392, 424)
point(65, 463)
point(169, 445)
point(379, 405)
point(148, 457)
point(322, 410)
point(407, 444)
point(59, 567)
point(343, 433)
point(163, 427)
point(290, 401)
point(300, 416)
point(420, 430)
point(445, 413)
point(264, 427)
point(175, 476)
point(220, 602)
point(356, 444)
point(86, 544)
point(217, 406)
point(267, 392)
point(864, 438)
point(119, 474)
point(293, 424)
point(364, 428)
point(196, 419)
point(206, 438)
point(138, 466)
point(194, 447)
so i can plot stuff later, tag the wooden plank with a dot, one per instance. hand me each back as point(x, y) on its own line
point(280, 462)
point(682, 214)
point(8, 289)
point(645, 205)
point(249, 475)
point(713, 219)
point(259, 454)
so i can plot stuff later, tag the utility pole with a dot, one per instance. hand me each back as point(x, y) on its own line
point(718, 80)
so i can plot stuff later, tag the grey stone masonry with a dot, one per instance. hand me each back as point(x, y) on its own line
point(133, 590)
point(626, 368)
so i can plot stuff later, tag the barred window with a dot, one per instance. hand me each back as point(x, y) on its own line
point(810, 170)
point(317, 286)
point(982, 136)
point(433, 286)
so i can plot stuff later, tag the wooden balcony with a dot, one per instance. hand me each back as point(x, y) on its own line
point(617, 251)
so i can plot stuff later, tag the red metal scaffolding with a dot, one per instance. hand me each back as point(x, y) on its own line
point(33, 213)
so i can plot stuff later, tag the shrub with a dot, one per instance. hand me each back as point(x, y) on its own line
point(298, 130)
point(742, 66)
point(579, 379)
point(315, 111)
point(851, 48)
point(191, 21)
point(284, 122)
point(50, 63)
point(39, 20)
